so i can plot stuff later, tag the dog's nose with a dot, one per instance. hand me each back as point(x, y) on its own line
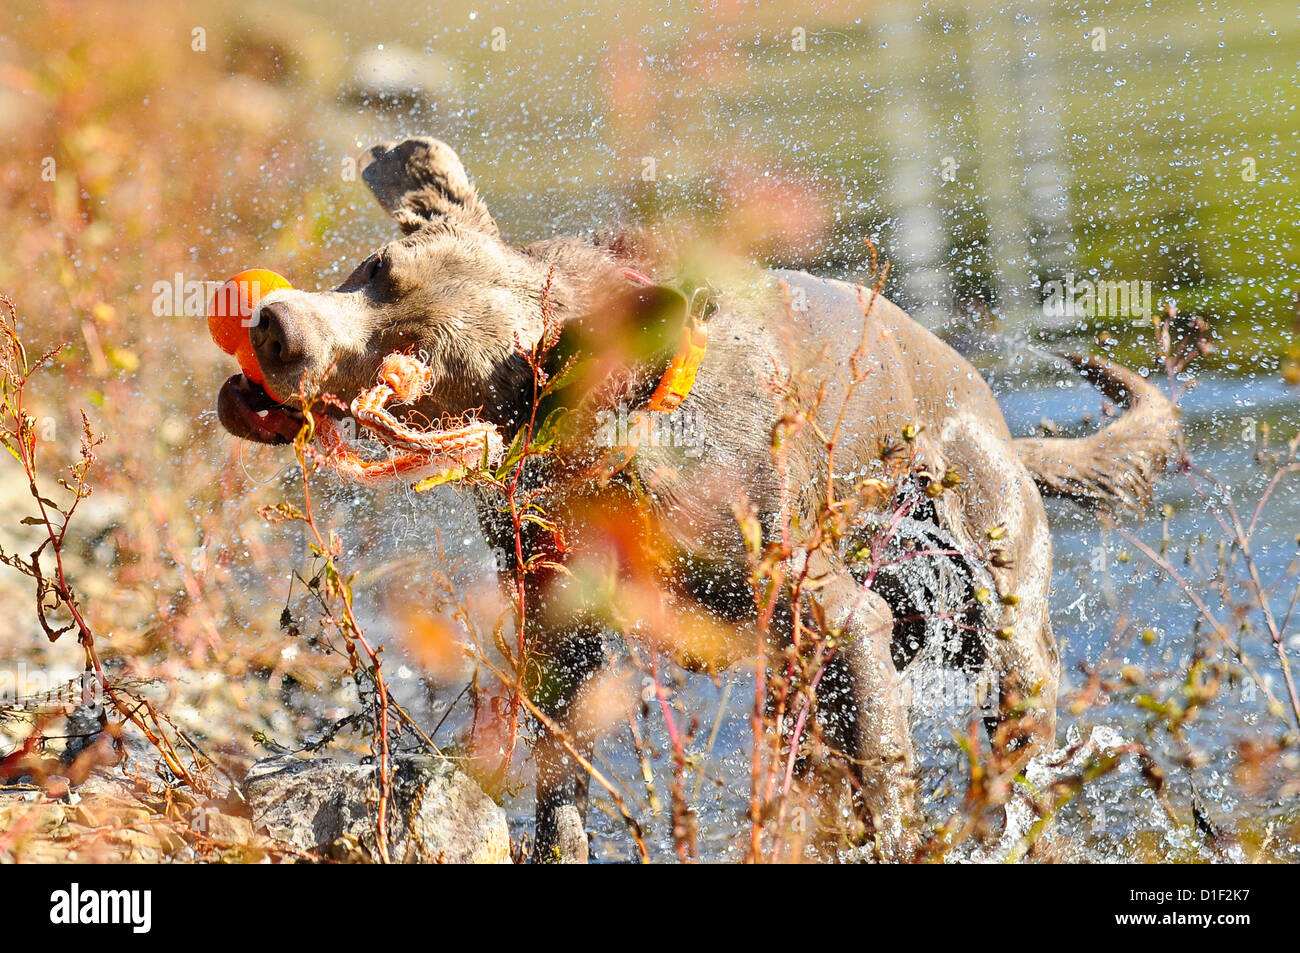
point(276, 342)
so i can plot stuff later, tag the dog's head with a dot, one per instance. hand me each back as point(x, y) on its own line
point(450, 291)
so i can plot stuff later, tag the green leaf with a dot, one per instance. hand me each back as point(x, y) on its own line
point(538, 521)
point(544, 437)
point(439, 479)
point(513, 454)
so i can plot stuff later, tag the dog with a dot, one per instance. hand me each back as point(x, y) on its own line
point(472, 305)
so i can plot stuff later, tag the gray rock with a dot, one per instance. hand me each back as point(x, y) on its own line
point(437, 813)
point(397, 75)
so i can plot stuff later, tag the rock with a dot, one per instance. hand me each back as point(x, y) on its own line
point(169, 839)
point(111, 819)
point(227, 829)
point(141, 846)
point(83, 815)
point(437, 813)
point(398, 76)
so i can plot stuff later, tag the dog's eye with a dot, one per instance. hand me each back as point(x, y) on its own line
point(365, 272)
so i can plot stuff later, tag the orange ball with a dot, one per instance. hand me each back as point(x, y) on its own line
point(230, 314)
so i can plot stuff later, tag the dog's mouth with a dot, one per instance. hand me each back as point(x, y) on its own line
point(248, 411)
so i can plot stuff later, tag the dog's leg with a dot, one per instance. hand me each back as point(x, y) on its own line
point(561, 782)
point(1028, 675)
point(572, 652)
point(1026, 662)
point(1024, 654)
point(998, 505)
point(871, 723)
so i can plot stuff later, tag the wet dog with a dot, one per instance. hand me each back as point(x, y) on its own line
point(452, 290)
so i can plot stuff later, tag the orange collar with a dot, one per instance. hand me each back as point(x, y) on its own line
point(679, 377)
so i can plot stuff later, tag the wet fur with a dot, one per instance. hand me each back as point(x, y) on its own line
point(452, 290)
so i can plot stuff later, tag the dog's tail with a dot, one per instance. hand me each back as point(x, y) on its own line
point(1116, 468)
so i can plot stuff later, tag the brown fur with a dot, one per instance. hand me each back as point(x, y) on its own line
point(452, 290)
point(1114, 469)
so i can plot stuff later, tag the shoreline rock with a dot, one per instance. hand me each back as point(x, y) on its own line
point(438, 813)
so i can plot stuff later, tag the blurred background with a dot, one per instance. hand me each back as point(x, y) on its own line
point(986, 149)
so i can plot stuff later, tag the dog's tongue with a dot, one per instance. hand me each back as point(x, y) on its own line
point(261, 416)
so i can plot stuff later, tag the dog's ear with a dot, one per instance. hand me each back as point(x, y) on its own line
point(620, 347)
point(421, 181)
